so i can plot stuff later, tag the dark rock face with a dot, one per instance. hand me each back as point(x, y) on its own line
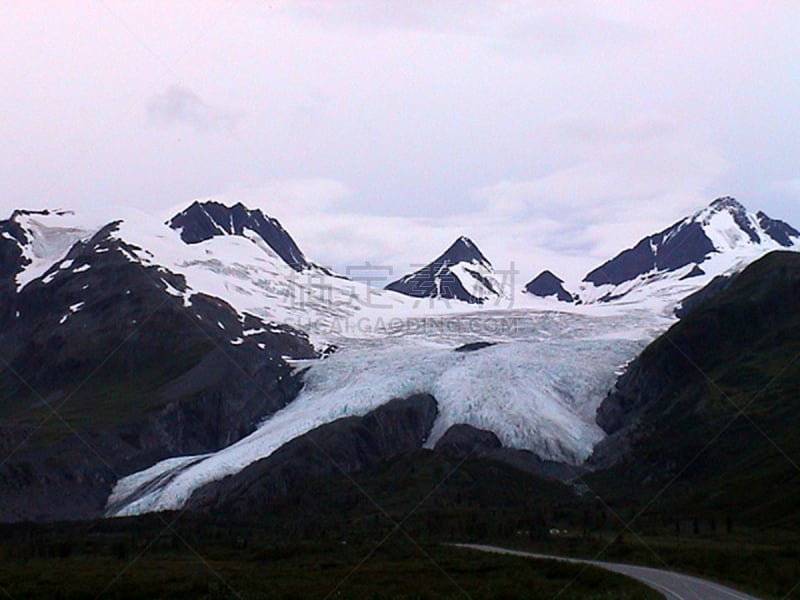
point(474, 346)
point(10, 257)
point(436, 280)
point(202, 221)
point(547, 284)
point(109, 373)
point(781, 232)
point(12, 240)
point(669, 250)
point(686, 242)
point(463, 440)
point(695, 272)
point(344, 446)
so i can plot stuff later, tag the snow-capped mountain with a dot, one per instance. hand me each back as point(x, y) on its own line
point(723, 226)
point(218, 297)
point(30, 241)
point(204, 220)
point(720, 239)
point(130, 294)
point(548, 285)
point(462, 273)
point(119, 354)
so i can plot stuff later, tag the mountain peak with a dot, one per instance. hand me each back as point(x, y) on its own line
point(780, 231)
point(548, 275)
point(726, 203)
point(461, 272)
point(547, 284)
point(463, 250)
point(203, 220)
point(22, 212)
point(723, 226)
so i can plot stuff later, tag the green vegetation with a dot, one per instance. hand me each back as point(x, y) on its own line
point(310, 541)
point(719, 443)
point(107, 398)
point(140, 559)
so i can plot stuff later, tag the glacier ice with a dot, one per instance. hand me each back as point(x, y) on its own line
point(538, 388)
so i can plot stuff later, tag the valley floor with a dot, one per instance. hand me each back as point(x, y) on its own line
point(177, 557)
point(171, 567)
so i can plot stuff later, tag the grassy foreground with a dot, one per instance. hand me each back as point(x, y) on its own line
point(325, 541)
point(100, 567)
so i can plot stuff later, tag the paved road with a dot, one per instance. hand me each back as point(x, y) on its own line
point(674, 586)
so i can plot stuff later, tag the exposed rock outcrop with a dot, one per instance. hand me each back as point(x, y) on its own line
point(343, 446)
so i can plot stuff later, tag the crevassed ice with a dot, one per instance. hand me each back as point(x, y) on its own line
point(537, 390)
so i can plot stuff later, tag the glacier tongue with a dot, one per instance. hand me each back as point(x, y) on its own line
point(538, 389)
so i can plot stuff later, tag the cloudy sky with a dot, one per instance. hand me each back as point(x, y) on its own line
point(554, 133)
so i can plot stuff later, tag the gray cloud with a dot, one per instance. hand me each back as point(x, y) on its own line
point(180, 105)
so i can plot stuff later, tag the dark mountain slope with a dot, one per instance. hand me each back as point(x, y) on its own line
point(343, 446)
point(708, 412)
point(104, 372)
point(690, 241)
point(667, 250)
point(13, 241)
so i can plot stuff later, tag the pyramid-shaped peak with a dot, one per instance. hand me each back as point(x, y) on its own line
point(547, 284)
point(727, 203)
point(548, 276)
point(463, 242)
point(463, 250)
point(462, 272)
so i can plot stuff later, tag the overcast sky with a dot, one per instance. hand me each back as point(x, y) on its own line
point(553, 133)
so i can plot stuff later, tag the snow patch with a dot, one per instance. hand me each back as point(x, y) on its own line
point(49, 238)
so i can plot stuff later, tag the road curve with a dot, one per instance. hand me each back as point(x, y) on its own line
point(674, 586)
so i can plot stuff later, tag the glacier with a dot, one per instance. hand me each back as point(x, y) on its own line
point(538, 388)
